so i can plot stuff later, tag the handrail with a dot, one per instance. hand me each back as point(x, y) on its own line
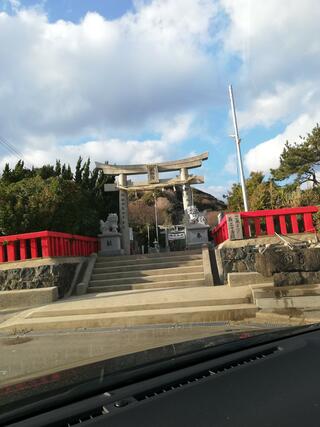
point(45, 244)
point(285, 220)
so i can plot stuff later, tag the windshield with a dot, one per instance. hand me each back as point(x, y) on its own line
point(159, 181)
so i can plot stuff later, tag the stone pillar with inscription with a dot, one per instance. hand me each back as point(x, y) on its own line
point(186, 189)
point(123, 213)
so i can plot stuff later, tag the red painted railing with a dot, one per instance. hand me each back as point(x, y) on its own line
point(45, 244)
point(267, 222)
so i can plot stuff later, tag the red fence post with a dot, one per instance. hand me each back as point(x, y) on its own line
point(2, 253)
point(45, 246)
point(34, 248)
point(52, 246)
point(246, 228)
point(308, 223)
point(283, 224)
point(257, 226)
point(23, 249)
point(11, 251)
point(294, 223)
point(73, 247)
point(65, 247)
point(270, 225)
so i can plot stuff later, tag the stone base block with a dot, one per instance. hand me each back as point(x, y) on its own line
point(248, 278)
point(110, 244)
point(28, 297)
point(196, 235)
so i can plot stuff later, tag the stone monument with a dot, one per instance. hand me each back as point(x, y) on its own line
point(110, 238)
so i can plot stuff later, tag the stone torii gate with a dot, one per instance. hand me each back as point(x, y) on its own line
point(154, 182)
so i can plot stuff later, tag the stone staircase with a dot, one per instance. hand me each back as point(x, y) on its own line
point(152, 271)
point(139, 308)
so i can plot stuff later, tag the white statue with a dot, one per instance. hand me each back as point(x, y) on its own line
point(194, 216)
point(110, 225)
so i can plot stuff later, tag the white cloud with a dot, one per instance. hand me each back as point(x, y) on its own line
point(217, 191)
point(231, 164)
point(176, 129)
point(114, 150)
point(279, 47)
point(267, 154)
point(281, 104)
point(64, 80)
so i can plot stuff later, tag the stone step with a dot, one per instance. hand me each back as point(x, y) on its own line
point(97, 275)
point(247, 278)
point(128, 319)
point(150, 256)
point(147, 285)
point(144, 306)
point(302, 303)
point(106, 268)
point(145, 279)
point(287, 297)
point(27, 297)
point(107, 262)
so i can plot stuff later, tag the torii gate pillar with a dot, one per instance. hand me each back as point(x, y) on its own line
point(186, 189)
point(123, 213)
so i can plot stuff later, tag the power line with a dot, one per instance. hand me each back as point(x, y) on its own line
point(10, 146)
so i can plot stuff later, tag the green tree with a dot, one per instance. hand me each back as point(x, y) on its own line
point(86, 175)
point(66, 173)
point(6, 174)
point(35, 204)
point(78, 171)
point(300, 160)
point(58, 168)
point(46, 171)
point(262, 194)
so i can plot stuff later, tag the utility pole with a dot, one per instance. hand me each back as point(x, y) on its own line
point(156, 216)
point(237, 140)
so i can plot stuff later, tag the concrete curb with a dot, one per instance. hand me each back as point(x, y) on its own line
point(82, 288)
point(24, 298)
point(207, 270)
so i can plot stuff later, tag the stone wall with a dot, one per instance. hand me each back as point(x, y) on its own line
point(42, 276)
point(297, 266)
point(232, 260)
point(287, 266)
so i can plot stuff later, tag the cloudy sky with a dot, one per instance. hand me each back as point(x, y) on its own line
point(134, 81)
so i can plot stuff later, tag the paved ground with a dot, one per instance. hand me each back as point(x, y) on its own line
point(26, 354)
point(33, 354)
point(137, 307)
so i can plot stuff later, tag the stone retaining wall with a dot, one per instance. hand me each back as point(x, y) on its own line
point(53, 273)
point(235, 260)
point(298, 266)
point(286, 266)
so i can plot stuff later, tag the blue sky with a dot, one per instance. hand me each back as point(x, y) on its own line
point(144, 81)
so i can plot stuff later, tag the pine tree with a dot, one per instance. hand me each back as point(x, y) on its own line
point(7, 174)
point(58, 168)
point(86, 175)
point(69, 173)
point(79, 171)
point(66, 173)
point(46, 171)
point(300, 161)
point(93, 179)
